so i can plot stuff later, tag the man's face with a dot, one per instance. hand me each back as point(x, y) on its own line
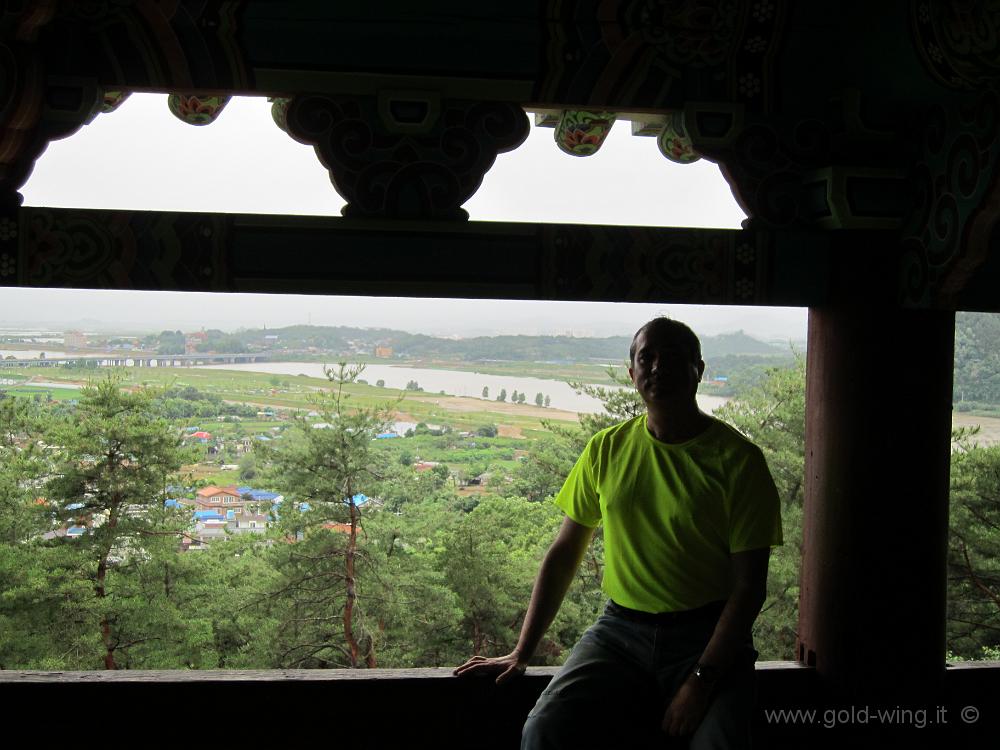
point(662, 369)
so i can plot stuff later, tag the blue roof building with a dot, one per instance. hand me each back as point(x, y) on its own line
point(261, 496)
point(207, 515)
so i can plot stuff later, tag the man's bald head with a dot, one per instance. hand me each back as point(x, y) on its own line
point(685, 338)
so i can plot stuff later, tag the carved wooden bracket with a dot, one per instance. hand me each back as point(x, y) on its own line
point(405, 154)
point(35, 107)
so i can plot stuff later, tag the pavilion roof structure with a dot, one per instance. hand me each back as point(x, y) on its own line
point(861, 139)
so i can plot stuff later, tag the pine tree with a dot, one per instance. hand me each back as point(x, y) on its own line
point(325, 475)
point(114, 464)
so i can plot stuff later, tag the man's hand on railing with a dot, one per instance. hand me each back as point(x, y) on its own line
point(504, 667)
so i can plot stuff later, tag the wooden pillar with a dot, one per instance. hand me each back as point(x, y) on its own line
point(878, 428)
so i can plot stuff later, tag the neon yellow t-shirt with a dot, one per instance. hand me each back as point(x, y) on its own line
point(672, 512)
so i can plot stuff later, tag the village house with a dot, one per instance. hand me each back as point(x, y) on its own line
point(192, 340)
point(227, 511)
point(74, 340)
point(246, 522)
point(219, 498)
point(209, 526)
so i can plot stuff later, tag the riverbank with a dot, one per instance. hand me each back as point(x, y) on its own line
point(989, 427)
point(295, 391)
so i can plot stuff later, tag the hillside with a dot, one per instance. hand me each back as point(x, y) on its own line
point(977, 361)
point(481, 348)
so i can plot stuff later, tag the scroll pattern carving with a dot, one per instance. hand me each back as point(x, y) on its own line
point(123, 250)
point(22, 95)
point(644, 265)
point(959, 42)
point(165, 45)
point(634, 51)
point(958, 169)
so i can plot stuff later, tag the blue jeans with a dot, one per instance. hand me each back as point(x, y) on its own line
point(616, 684)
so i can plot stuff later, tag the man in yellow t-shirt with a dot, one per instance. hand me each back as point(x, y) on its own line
point(690, 513)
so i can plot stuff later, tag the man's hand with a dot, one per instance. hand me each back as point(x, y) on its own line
point(687, 708)
point(504, 667)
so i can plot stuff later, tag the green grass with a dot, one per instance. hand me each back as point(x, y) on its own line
point(29, 391)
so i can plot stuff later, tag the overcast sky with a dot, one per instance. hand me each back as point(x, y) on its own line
point(141, 157)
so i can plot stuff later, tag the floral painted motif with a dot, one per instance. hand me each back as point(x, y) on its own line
point(196, 110)
point(113, 100)
point(8, 229)
point(582, 133)
point(749, 85)
point(674, 142)
point(279, 111)
point(7, 265)
point(762, 10)
point(958, 42)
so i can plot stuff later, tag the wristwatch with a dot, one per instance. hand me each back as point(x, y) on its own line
point(706, 673)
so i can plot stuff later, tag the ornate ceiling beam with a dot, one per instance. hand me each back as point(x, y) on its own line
point(46, 247)
point(592, 54)
point(898, 137)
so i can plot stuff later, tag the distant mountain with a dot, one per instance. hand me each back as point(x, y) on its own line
point(483, 348)
point(726, 344)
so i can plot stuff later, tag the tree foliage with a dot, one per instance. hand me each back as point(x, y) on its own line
point(417, 575)
point(977, 360)
point(108, 463)
point(772, 414)
point(974, 549)
point(325, 472)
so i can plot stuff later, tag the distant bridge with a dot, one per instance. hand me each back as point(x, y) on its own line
point(139, 359)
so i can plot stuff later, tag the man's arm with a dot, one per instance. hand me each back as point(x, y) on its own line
point(554, 578)
point(692, 699)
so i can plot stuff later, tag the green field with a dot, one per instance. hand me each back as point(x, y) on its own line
point(297, 393)
point(563, 371)
point(45, 392)
point(470, 455)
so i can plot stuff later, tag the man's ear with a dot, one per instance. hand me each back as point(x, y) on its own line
point(701, 369)
point(631, 374)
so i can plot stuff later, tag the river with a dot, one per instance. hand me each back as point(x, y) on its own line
point(455, 383)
